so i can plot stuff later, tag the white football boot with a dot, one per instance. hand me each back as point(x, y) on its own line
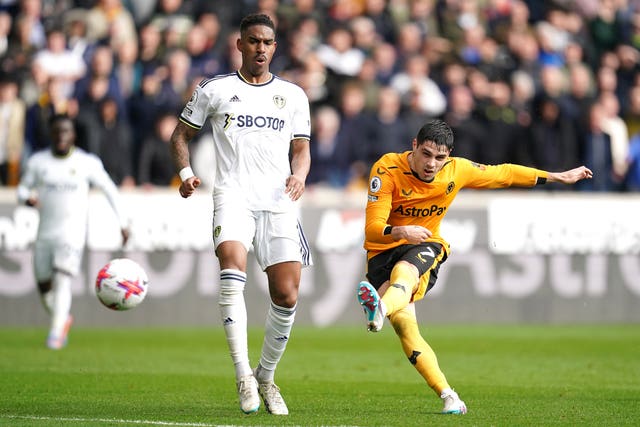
point(248, 394)
point(452, 403)
point(272, 398)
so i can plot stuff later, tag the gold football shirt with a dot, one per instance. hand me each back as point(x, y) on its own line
point(398, 197)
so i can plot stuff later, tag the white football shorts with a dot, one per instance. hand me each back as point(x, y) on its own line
point(274, 236)
point(49, 256)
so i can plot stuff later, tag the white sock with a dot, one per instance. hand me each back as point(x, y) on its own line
point(47, 301)
point(277, 329)
point(234, 318)
point(61, 302)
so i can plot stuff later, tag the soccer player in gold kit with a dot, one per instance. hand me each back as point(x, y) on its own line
point(409, 195)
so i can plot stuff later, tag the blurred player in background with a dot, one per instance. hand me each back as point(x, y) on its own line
point(57, 183)
point(259, 122)
point(409, 195)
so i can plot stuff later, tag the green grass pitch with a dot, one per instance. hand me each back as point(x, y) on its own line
point(508, 376)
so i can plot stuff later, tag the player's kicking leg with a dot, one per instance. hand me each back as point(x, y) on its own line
point(373, 307)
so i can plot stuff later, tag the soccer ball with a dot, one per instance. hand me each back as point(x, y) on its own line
point(121, 284)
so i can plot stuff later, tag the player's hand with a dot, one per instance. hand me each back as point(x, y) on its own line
point(571, 176)
point(188, 186)
point(414, 234)
point(32, 202)
point(125, 235)
point(294, 187)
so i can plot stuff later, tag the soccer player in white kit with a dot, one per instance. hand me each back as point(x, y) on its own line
point(57, 183)
point(261, 129)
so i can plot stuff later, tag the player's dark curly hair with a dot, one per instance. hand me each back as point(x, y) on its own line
point(256, 19)
point(60, 117)
point(436, 131)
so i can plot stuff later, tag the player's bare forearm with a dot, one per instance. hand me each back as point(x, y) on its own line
point(300, 164)
point(571, 176)
point(414, 234)
point(180, 138)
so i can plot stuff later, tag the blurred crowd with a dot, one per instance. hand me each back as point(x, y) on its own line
point(549, 84)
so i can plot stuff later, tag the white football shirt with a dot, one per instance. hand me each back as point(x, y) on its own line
point(62, 187)
point(253, 125)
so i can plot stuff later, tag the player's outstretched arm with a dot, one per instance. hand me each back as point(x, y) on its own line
point(571, 176)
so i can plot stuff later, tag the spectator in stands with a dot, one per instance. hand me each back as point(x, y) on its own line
point(12, 122)
point(422, 13)
point(204, 62)
point(232, 58)
point(351, 107)
point(615, 127)
point(378, 11)
point(151, 49)
point(109, 21)
point(51, 101)
point(75, 29)
point(552, 139)
point(339, 54)
point(606, 28)
point(495, 61)
point(414, 80)
point(144, 107)
point(101, 68)
point(175, 88)
point(30, 16)
point(409, 42)
point(506, 142)
point(523, 94)
point(88, 117)
point(20, 51)
point(633, 169)
point(5, 28)
point(58, 61)
point(596, 153)
point(631, 116)
point(386, 60)
point(115, 143)
point(155, 167)
point(127, 69)
point(385, 130)
point(629, 60)
point(470, 133)
point(453, 74)
point(524, 47)
point(329, 151)
point(576, 103)
point(174, 19)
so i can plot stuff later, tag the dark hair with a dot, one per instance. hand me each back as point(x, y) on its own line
point(59, 117)
point(256, 19)
point(436, 131)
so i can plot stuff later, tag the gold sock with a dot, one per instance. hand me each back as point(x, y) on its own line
point(402, 283)
point(417, 350)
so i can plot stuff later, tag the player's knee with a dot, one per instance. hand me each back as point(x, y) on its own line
point(287, 299)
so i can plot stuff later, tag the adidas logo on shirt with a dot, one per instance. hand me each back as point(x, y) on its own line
point(234, 98)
